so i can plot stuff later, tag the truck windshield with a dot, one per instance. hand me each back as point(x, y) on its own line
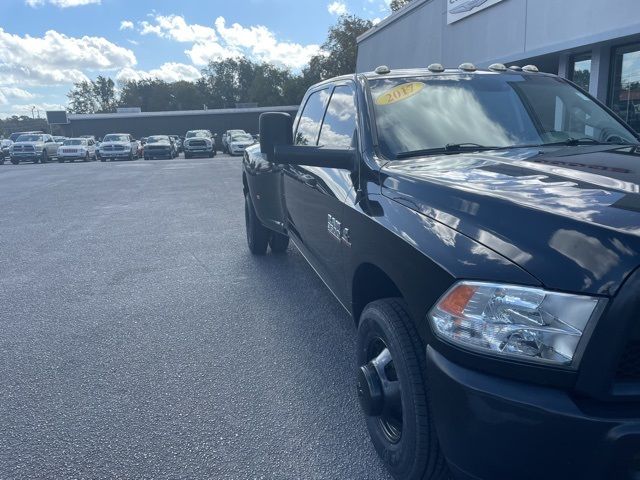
point(158, 139)
point(30, 138)
point(198, 134)
point(418, 114)
point(116, 138)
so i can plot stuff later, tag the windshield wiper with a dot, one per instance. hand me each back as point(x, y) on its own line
point(574, 142)
point(449, 148)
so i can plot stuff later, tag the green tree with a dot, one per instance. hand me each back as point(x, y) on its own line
point(82, 98)
point(339, 51)
point(104, 94)
point(398, 4)
point(22, 123)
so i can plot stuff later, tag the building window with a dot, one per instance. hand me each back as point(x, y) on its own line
point(625, 89)
point(581, 71)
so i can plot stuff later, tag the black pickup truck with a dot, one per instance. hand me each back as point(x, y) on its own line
point(482, 228)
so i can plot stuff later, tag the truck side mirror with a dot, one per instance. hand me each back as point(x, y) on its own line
point(276, 128)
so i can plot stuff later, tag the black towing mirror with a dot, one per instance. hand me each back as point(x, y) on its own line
point(315, 156)
point(276, 128)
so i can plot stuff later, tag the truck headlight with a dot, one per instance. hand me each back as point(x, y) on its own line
point(514, 321)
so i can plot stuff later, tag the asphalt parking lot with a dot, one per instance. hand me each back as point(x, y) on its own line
point(140, 339)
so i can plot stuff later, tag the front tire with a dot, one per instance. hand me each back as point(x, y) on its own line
point(44, 158)
point(278, 242)
point(393, 392)
point(257, 234)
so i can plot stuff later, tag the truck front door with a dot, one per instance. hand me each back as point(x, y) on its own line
point(315, 196)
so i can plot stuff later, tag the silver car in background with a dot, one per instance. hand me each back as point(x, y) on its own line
point(73, 149)
point(33, 147)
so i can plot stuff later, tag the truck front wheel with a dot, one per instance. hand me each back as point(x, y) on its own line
point(257, 234)
point(393, 392)
point(278, 242)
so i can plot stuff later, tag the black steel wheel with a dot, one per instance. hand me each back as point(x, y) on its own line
point(257, 234)
point(393, 392)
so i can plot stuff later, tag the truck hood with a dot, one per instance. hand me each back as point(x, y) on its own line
point(124, 144)
point(570, 217)
point(30, 144)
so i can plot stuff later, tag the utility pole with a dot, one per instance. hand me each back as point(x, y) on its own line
point(32, 112)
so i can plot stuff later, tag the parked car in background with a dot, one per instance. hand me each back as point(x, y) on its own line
point(118, 146)
point(159, 146)
point(73, 149)
point(33, 147)
point(59, 139)
point(199, 142)
point(5, 144)
point(226, 136)
point(238, 142)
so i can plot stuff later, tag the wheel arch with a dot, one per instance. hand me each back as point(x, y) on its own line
point(369, 283)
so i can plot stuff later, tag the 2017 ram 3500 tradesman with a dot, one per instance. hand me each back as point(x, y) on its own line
point(483, 230)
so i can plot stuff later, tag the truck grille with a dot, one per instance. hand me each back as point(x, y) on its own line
point(112, 148)
point(629, 366)
point(23, 148)
point(197, 143)
point(157, 147)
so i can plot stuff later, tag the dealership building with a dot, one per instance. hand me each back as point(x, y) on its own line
point(595, 43)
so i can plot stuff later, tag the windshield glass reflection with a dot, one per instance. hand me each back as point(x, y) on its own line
point(419, 113)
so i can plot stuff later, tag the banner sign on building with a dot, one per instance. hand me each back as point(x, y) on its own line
point(459, 9)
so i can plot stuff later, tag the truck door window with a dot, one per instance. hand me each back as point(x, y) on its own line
point(340, 120)
point(311, 118)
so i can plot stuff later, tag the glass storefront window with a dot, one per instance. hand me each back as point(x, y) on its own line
point(581, 71)
point(625, 92)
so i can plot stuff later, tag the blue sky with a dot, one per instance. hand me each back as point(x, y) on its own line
point(46, 45)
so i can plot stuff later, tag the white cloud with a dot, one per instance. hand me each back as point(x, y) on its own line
point(55, 58)
point(126, 25)
point(25, 109)
point(337, 8)
point(176, 28)
point(260, 43)
point(169, 72)
point(11, 93)
point(62, 3)
point(209, 43)
point(203, 53)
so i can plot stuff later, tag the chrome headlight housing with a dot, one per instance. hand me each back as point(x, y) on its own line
point(525, 323)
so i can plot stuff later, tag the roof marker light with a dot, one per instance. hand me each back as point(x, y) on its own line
point(382, 70)
point(467, 67)
point(435, 67)
point(515, 68)
point(530, 69)
point(498, 67)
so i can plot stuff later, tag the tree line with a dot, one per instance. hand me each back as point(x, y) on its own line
point(226, 83)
